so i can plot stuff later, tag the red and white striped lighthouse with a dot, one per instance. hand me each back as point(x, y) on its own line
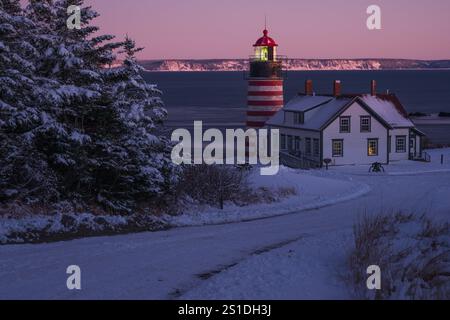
point(265, 83)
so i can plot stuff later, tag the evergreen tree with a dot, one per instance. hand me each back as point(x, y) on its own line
point(24, 175)
point(142, 163)
point(95, 130)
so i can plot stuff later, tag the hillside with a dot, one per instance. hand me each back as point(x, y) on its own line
point(295, 64)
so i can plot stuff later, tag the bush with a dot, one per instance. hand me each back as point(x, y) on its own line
point(412, 251)
point(214, 184)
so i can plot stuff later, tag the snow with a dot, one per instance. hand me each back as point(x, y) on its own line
point(312, 193)
point(387, 110)
point(304, 270)
point(197, 261)
point(405, 167)
point(316, 117)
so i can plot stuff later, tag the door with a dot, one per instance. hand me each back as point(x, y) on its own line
point(412, 147)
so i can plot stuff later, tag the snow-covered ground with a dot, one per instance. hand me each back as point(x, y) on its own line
point(297, 255)
point(312, 192)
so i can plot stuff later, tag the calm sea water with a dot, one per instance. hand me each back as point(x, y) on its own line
point(219, 98)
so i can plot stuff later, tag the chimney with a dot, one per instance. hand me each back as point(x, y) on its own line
point(373, 88)
point(309, 87)
point(337, 88)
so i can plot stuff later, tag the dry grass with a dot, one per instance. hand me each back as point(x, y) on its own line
point(412, 251)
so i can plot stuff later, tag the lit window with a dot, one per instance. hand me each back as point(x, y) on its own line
point(344, 124)
point(372, 147)
point(338, 148)
point(400, 144)
point(365, 124)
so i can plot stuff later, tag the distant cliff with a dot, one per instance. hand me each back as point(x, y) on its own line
point(296, 64)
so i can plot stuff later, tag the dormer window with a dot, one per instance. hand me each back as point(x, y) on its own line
point(299, 118)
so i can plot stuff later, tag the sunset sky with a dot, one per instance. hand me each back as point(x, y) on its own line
point(197, 29)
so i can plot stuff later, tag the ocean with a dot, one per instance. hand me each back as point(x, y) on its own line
point(219, 98)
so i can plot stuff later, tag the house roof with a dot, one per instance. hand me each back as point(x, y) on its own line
point(389, 108)
point(321, 110)
point(305, 103)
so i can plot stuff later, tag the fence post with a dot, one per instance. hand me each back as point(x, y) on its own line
point(442, 159)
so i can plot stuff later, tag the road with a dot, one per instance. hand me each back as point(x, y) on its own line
point(164, 265)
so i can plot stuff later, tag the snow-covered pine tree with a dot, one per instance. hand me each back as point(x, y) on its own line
point(143, 167)
point(24, 175)
point(100, 134)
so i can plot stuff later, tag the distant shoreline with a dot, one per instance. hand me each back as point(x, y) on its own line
point(241, 65)
point(356, 70)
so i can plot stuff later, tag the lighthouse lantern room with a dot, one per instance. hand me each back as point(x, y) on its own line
point(265, 83)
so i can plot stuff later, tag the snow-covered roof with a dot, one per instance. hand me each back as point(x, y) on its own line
point(304, 103)
point(319, 110)
point(317, 116)
point(389, 108)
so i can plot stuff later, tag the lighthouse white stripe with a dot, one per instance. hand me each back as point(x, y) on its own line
point(265, 88)
point(269, 98)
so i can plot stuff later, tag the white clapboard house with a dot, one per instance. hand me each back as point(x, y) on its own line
point(346, 129)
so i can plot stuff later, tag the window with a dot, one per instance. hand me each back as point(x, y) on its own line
point(299, 118)
point(308, 146)
point(297, 143)
point(338, 148)
point(316, 147)
point(290, 142)
point(366, 124)
point(344, 124)
point(400, 144)
point(283, 142)
point(372, 147)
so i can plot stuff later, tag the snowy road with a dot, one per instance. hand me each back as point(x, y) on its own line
point(168, 264)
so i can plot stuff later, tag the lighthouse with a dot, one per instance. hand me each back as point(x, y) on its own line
point(265, 82)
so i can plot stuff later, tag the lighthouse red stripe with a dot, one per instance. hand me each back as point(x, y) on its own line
point(261, 113)
point(265, 93)
point(263, 83)
point(266, 103)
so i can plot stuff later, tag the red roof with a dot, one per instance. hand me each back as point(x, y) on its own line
point(265, 41)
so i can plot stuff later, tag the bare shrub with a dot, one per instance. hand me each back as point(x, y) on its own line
point(214, 184)
point(217, 184)
point(412, 251)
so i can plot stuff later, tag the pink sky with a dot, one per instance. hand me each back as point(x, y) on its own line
point(197, 29)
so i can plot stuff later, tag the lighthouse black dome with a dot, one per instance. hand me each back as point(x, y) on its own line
point(265, 41)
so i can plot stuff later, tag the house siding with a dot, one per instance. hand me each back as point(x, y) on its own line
point(355, 142)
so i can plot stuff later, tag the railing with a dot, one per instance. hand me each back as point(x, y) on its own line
point(298, 161)
point(423, 156)
point(266, 68)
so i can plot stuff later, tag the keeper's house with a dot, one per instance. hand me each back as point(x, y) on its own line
point(346, 129)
